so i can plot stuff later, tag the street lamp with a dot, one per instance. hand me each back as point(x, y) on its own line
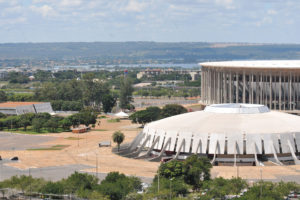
point(171, 188)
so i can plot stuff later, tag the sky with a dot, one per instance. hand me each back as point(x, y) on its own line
point(251, 21)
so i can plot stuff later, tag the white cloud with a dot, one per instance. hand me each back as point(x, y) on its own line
point(12, 21)
point(44, 10)
point(272, 12)
point(265, 20)
point(134, 6)
point(71, 3)
point(228, 4)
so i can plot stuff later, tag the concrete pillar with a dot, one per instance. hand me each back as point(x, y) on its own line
point(225, 85)
point(270, 90)
point(237, 88)
point(230, 87)
point(280, 88)
point(257, 89)
point(261, 89)
point(252, 88)
point(244, 87)
point(290, 91)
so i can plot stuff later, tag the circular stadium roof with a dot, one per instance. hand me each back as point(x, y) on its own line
point(271, 64)
point(230, 119)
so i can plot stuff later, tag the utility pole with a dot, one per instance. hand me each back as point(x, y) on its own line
point(260, 183)
point(158, 182)
point(29, 184)
point(96, 165)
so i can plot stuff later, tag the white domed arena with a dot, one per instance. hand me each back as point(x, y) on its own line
point(228, 134)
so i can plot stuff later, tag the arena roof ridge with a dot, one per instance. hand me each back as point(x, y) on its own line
point(270, 64)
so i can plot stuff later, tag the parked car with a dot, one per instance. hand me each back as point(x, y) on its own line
point(14, 158)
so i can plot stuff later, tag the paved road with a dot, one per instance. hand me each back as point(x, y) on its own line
point(50, 173)
point(15, 141)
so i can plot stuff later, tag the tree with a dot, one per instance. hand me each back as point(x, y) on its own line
point(108, 102)
point(151, 113)
point(80, 182)
point(172, 169)
point(66, 123)
point(26, 120)
point(37, 124)
point(172, 109)
point(3, 96)
point(118, 137)
point(117, 186)
point(51, 125)
point(196, 170)
point(126, 90)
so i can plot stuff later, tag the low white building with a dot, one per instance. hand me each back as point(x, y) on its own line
point(228, 134)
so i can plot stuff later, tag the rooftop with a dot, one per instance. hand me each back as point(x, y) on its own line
point(272, 64)
point(237, 108)
point(11, 104)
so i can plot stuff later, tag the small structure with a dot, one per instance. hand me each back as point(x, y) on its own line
point(122, 115)
point(19, 108)
point(80, 129)
point(105, 144)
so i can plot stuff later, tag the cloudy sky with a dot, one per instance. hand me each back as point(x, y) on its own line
point(259, 21)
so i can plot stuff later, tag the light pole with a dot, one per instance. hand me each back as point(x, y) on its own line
point(260, 183)
point(96, 165)
point(29, 183)
point(171, 188)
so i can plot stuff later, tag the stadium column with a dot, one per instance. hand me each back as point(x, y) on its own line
point(237, 88)
point(219, 88)
point(230, 87)
point(297, 90)
point(270, 90)
point(244, 87)
point(290, 91)
point(252, 88)
point(257, 89)
point(224, 88)
point(279, 95)
point(261, 89)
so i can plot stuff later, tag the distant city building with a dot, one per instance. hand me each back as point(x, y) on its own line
point(149, 73)
point(227, 134)
point(19, 108)
point(272, 83)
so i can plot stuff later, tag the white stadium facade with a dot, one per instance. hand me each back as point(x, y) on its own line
point(274, 83)
point(228, 134)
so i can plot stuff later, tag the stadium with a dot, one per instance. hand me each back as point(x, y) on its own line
point(228, 134)
point(274, 83)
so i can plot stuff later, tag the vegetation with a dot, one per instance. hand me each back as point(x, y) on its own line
point(113, 120)
point(173, 180)
point(155, 113)
point(118, 137)
point(126, 90)
point(115, 186)
point(45, 123)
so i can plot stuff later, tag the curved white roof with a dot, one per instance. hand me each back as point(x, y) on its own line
point(237, 108)
point(229, 119)
point(271, 64)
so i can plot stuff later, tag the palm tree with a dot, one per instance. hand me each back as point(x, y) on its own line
point(118, 137)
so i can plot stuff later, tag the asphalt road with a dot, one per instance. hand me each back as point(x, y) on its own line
point(15, 141)
point(54, 173)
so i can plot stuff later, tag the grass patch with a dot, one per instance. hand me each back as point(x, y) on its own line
point(102, 117)
point(73, 138)
point(113, 120)
point(53, 148)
